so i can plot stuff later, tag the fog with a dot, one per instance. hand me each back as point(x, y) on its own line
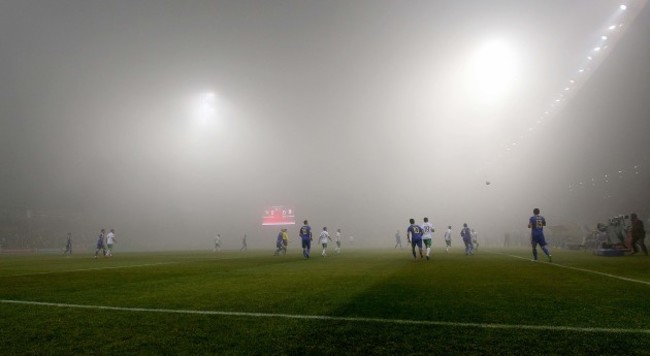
point(358, 114)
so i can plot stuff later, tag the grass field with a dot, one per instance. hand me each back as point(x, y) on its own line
point(357, 302)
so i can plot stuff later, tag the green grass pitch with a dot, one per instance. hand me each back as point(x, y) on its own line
point(372, 302)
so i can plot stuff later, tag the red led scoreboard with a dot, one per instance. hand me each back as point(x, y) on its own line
point(278, 215)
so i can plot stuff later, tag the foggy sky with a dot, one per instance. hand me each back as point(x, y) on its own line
point(349, 111)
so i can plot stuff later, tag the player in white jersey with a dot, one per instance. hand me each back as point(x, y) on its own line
point(110, 240)
point(448, 238)
point(324, 237)
point(474, 239)
point(427, 232)
point(337, 239)
point(217, 243)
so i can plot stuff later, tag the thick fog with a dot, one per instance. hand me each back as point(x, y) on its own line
point(358, 114)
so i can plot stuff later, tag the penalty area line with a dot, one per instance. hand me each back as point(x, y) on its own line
point(337, 318)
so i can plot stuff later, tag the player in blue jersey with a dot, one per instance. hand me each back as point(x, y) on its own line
point(306, 237)
point(101, 243)
point(536, 225)
point(466, 234)
point(68, 245)
point(414, 236)
point(278, 243)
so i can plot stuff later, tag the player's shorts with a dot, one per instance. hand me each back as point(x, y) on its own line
point(338, 243)
point(538, 239)
point(427, 242)
point(324, 245)
point(448, 242)
point(306, 243)
point(416, 242)
point(110, 247)
point(100, 245)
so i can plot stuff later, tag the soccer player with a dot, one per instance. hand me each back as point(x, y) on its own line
point(398, 240)
point(324, 237)
point(285, 241)
point(337, 239)
point(217, 243)
point(100, 243)
point(278, 243)
point(414, 236)
point(474, 239)
point(68, 245)
point(536, 225)
point(448, 239)
point(306, 237)
point(638, 234)
point(466, 234)
point(428, 230)
point(110, 240)
point(244, 244)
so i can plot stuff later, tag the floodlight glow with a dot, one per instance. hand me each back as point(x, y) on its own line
point(604, 38)
point(590, 57)
point(493, 70)
point(596, 49)
point(623, 7)
point(612, 27)
point(205, 107)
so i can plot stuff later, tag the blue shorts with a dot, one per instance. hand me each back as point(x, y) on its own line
point(538, 239)
point(306, 243)
point(416, 242)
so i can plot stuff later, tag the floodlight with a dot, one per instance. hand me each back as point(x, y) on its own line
point(623, 7)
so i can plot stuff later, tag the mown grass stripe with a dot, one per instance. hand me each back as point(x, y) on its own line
point(337, 318)
point(116, 267)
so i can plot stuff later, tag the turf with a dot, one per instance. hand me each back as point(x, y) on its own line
point(370, 302)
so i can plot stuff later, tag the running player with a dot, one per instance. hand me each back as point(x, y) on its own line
point(474, 240)
point(324, 237)
point(448, 238)
point(428, 230)
point(337, 239)
point(414, 236)
point(466, 234)
point(110, 240)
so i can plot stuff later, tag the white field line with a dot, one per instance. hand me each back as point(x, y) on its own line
point(581, 269)
point(337, 318)
point(114, 267)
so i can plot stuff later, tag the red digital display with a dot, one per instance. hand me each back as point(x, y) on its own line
point(279, 215)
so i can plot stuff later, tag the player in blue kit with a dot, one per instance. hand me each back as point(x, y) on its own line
point(414, 236)
point(306, 237)
point(536, 225)
point(466, 234)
